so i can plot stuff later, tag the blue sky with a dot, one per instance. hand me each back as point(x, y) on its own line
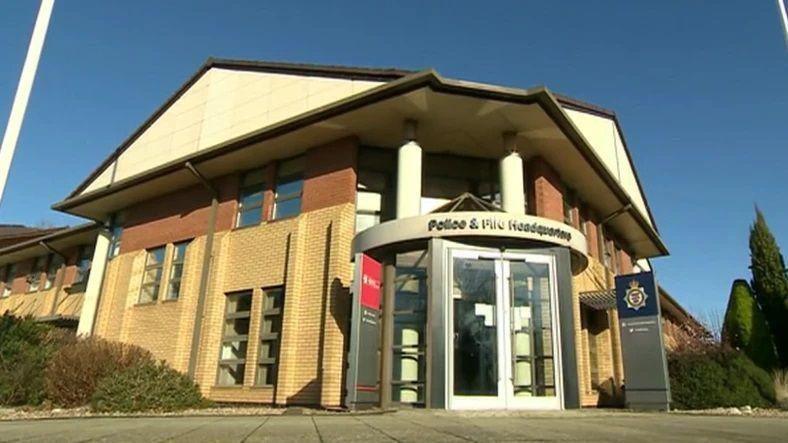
point(701, 90)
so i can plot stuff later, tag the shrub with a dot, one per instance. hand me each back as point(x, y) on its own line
point(718, 377)
point(25, 348)
point(76, 369)
point(146, 387)
point(745, 327)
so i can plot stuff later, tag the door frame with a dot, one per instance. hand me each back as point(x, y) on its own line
point(505, 398)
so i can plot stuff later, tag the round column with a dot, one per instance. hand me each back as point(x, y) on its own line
point(409, 174)
point(511, 176)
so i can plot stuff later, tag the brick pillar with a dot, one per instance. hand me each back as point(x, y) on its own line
point(592, 238)
point(625, 262)
point(546, 199)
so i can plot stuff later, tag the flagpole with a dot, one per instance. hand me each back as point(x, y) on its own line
point(23, 91)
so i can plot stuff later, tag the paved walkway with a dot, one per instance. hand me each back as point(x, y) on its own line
point(407, 426)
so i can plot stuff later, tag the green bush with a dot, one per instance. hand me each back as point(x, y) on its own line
point(25, 348)
point(146, 387)
point(745, 327)
point(719, 377)
point(75, 370)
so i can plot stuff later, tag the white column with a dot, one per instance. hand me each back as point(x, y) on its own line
point(90, 301)
point(511, 172)
point(409, 174)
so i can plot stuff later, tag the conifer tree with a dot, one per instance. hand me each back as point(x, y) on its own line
point(770, 283)
point(745, 327)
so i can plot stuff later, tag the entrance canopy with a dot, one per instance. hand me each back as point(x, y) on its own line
point(472, 220)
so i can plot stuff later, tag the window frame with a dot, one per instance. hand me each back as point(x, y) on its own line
point(50, 275)
point(83, 273)
point(9, 270)
point(36, 272)
point(116, 232)
point(286, 179)
point(176, 261)
point(148, 267)
point(272, 314)
point(234, 338)
point(242, 188)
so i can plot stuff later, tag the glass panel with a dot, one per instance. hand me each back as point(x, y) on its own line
point(239, 302)
point(273, 299)
point(409, 329)
point(179, 252)
point(234, 350)
point(532, 335)
point(174, 291)
point(149, 293)
point(475, 336)
point(236, 326)
point(253, 177)
point(177, 271)
point(231, 374)
point(410, 302)
point(289, 187)
point(271, 324)
point(408, 393)
point(268, 349)
point(250, 217)
point(251, 197)
point(288, 208)
point(266, 375)
point(155, 257)
point(152, 275)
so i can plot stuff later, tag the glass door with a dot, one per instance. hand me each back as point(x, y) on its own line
point(531, 345)
point(503, 338)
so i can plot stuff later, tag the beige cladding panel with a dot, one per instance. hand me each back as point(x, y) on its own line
point(221, 105)
point(605, 140)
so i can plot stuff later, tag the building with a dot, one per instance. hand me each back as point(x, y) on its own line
point(230, 218)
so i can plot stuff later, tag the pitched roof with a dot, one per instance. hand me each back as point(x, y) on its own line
point(12, 234)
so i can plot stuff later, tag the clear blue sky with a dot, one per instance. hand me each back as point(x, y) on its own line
point(701, 89)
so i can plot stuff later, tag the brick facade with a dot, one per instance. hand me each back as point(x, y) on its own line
point(546, 190)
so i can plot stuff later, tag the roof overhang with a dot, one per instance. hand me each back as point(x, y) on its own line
point(454, 117)
point(57, 241)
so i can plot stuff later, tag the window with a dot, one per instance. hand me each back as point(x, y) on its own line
point(369, 199)
point(84, 261)
point(569, 204)
point(289, 186)
point(583, 220)
point(176, 270)
point(34, 278)
point(114, 241)
point(55, 262)
point(270, 335)
point(235, 339)
point(250, 198)
point(151, 277)
point(8, 280)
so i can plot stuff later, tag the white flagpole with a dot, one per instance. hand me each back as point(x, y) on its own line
point(784, 16)
point(23, 91)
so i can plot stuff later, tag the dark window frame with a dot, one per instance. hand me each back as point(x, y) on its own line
point(275, 315)
point(245, 190)
point(36, 273)
point(150, 267)
point(84, 264)
point(243, 338)
point(176, 261)
point(9, 271)
point(281, 180)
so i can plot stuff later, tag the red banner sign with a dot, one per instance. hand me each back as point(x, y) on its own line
point(371, 274)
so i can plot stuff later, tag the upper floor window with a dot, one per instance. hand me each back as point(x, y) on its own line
point(569, 206)
point(116, 231)
point(289, 187)
point(176, 270)
point(9, 272)
point(34, 278)
point(55, 262)
point(84, 262)
point(151, 277)
point(250, 198)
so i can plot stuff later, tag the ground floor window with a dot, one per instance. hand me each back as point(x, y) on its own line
point(270, 336)
point(409, 320)
point(235, 338)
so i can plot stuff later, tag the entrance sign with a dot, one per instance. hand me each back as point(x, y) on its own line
point(363, 375)
point(645, 370)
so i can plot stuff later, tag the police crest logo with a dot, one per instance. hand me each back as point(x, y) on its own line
point(635, 296)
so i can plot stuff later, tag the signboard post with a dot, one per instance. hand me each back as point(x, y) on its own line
point(363, 374)
point(646, 383)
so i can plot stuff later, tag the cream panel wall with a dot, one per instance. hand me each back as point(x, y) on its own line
point(602, 134)
point(221, 105)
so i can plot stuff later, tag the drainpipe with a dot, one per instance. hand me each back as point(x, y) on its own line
point(206, 266)
point(59, 285)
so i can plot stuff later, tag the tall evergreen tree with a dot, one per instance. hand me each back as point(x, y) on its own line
point(745, 327)
point(770, 283)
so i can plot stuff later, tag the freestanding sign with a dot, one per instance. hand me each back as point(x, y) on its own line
point(646, 383)
point(363, 375)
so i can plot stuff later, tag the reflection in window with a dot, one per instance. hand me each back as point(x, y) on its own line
point(235, 339)
point(270, 336)
point(34, 279)
point(250, 198)
point(84, 261)
point(409, 319)
point(151, 277)
point(289, 186)
point(55, 262)
point(8, 280)
point(176, 270)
